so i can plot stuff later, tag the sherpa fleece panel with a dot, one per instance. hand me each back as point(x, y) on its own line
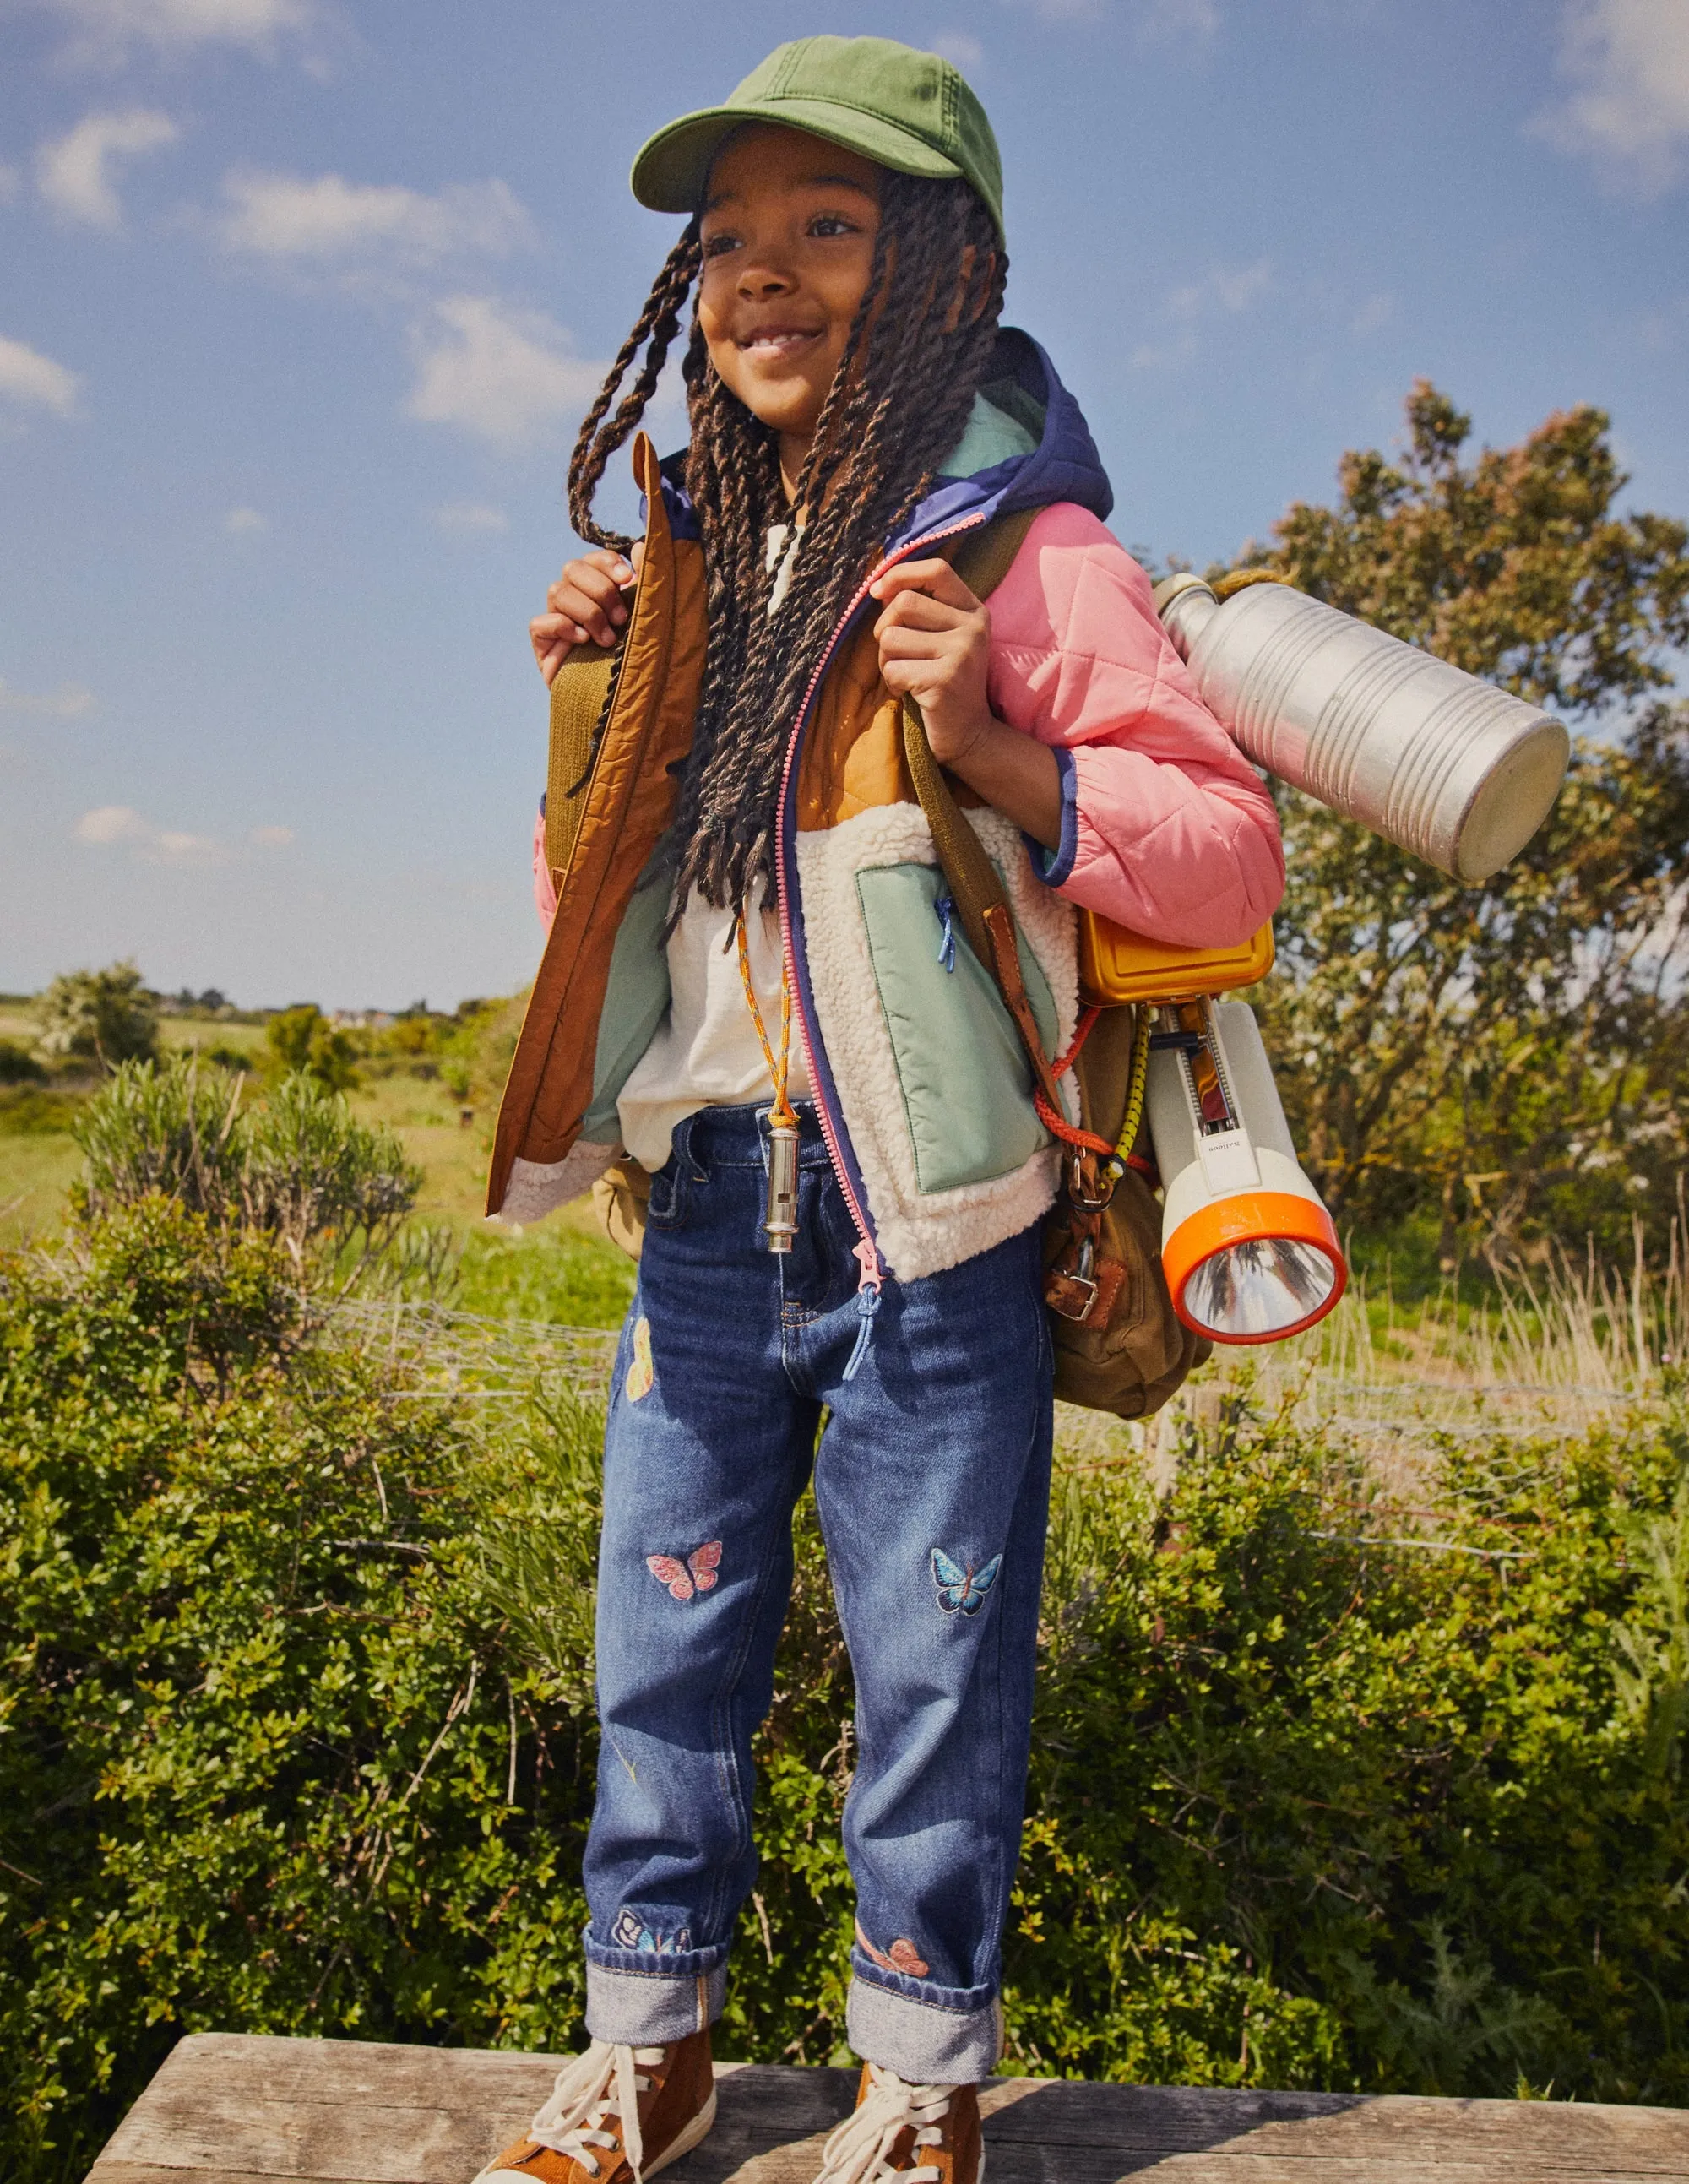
point(1173, 832)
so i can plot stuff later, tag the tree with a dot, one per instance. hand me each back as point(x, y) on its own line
point(108, 1015)
point(1508, 1052)
point(303, 1039)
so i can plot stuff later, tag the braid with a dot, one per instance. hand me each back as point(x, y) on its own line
point(900, 401)
point(897, 404)
point(659, 322)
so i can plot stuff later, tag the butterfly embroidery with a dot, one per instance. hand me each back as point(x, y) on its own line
point(963, 1587)
point(630, 1931)
point(902, 1956)
point(640, 1376)
point(697, 1574)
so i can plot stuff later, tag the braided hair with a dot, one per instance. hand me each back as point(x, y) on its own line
point(919, 349)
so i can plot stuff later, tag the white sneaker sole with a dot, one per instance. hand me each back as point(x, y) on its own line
point(693, 2135)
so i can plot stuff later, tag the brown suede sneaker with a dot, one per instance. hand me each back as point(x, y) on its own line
point(615, 2114)
point(921, 2134)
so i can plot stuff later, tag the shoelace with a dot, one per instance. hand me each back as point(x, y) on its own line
point(859, 2151)
point(606, 2082)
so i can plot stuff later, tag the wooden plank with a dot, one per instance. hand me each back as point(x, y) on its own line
point(1381, 2127)
point(257, 2111)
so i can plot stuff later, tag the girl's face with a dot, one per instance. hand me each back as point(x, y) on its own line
point(787, 234)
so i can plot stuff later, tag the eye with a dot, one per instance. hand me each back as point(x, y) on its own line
point(826, 224)
point(715, 246)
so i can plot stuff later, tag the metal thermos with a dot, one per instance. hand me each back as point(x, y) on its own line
point(1443, 765)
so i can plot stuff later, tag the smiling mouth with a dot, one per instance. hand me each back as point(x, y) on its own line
point(774, 342)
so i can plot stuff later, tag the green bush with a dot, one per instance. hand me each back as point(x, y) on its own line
point(302, 1040)
point(295, 1165)
point(18, 1065)
point(100, 1015)
point(274, 1758)
point(295, 1669)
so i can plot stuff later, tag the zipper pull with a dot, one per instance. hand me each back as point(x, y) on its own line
point(944, 906)
point(867, 1303)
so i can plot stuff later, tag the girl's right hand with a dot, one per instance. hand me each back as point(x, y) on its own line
point(584, 607)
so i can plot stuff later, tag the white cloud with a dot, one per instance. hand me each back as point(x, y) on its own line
point(1629, 60)
point(10, 182)
point(67, 703)
point(956, 45)
point(72, 171)
point(170, 848)
point(270, 838)
point(503, 375)
point(1377, 311)
point(27, 375)
point(471, 516)
point(245, 519)
point(1224, 292)
point(109, 824)
point(106, 30)
point(329, 222)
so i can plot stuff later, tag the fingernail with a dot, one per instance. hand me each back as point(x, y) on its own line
point(618, 615)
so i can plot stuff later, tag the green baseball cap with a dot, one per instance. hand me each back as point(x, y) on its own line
point(907, 110)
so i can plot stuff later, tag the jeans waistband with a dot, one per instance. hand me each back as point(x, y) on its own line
point(734, 1137)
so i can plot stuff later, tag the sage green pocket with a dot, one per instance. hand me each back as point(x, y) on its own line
point(965, 1082)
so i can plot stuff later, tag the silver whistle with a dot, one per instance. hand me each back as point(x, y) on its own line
point(782, 1224)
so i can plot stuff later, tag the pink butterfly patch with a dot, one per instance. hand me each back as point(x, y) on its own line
point(697, 1574)
point(902, 1956)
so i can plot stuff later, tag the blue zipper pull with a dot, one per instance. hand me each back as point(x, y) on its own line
point(868, 1303)
point(944, 907)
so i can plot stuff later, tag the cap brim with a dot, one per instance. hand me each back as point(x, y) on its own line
point(671, 171)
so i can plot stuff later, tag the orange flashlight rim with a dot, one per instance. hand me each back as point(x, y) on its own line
point(1252, 1216)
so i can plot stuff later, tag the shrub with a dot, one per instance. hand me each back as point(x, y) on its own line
point(302, 1039)
point(272, 1760)
point(106, 1015)
point(295, 1662)
point(295, 1165)
point(18, 1065)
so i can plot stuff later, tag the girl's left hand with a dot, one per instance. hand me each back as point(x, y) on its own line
point(935, 646)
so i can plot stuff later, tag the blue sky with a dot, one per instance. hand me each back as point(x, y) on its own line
point(301, 300)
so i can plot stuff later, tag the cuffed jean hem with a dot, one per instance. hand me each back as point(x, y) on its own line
point(926, 2042)
point(649, 2009)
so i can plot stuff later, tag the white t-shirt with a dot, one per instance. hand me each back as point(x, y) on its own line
point(707, 1052)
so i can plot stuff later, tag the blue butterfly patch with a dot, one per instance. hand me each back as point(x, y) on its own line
point(960, 1586)
point(630, 1931)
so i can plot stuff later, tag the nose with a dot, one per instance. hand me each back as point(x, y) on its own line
point(758, 281)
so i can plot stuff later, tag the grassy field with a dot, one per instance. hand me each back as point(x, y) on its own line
point(564, 1271)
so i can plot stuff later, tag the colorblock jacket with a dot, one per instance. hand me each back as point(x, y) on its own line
point(922, 1086)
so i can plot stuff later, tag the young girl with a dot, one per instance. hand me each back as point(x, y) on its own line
point(747, 856)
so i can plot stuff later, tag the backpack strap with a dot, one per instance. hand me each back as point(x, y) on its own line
point(981, 901)
point(579, 690)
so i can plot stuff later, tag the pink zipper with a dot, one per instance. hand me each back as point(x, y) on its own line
point(867, 1251)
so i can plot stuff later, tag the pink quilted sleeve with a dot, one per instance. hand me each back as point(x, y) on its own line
point(544, 893)
point(1167, 827)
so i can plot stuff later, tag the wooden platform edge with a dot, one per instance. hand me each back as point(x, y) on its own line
point(256, 2108)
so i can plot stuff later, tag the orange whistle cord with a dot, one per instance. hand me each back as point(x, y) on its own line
point(782, 1115)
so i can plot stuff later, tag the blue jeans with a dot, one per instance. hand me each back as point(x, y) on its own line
point(933, 1484)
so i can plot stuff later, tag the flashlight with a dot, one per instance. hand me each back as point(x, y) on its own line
point(1250, 1252)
